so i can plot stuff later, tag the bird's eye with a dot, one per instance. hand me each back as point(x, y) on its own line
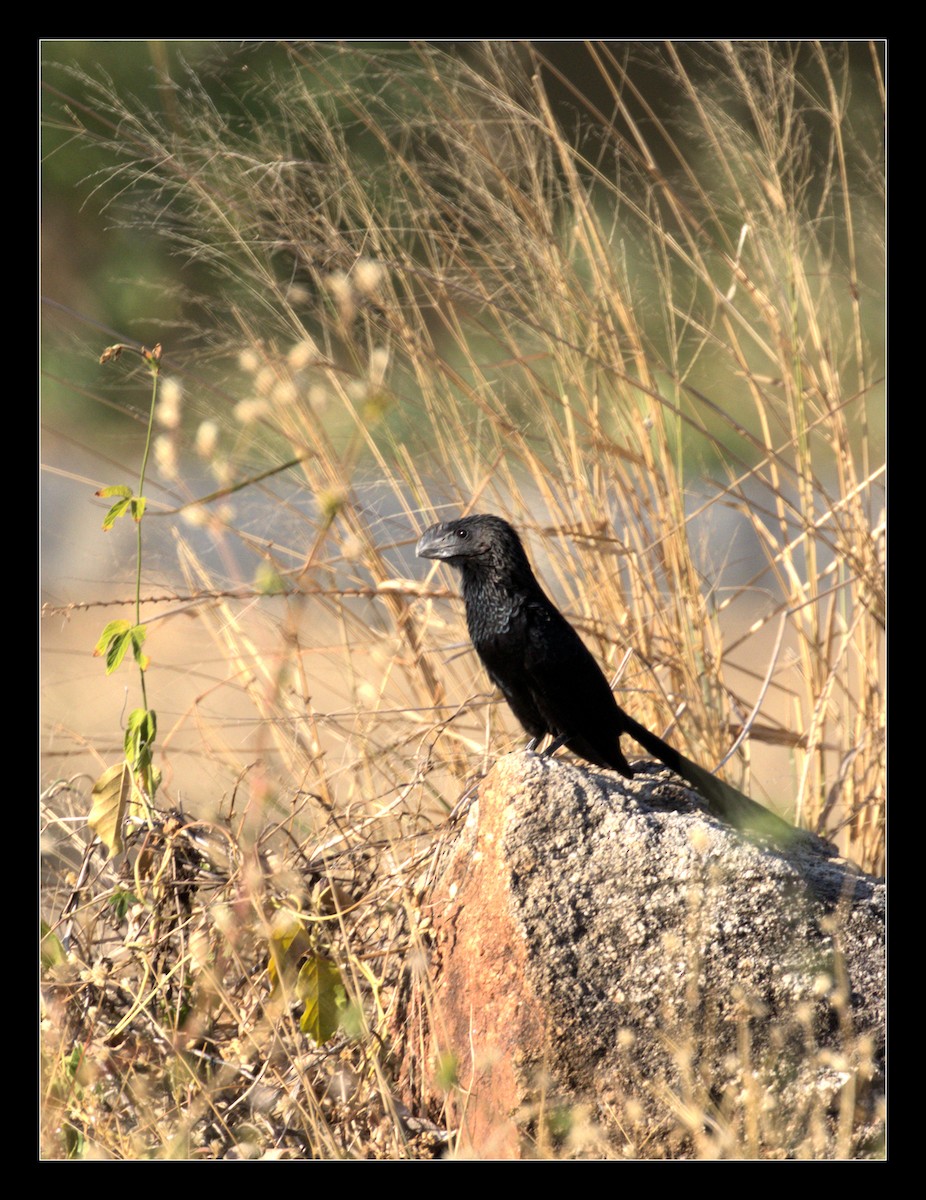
point(461, 533)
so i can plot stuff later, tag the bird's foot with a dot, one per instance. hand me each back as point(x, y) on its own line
point(555, 745)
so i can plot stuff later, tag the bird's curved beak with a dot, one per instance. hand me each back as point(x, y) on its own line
point(433, 543)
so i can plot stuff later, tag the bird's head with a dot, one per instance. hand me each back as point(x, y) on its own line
point(480, 544)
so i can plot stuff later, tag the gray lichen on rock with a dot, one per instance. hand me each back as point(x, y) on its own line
point(609, 947)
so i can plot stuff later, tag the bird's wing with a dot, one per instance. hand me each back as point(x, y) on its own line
point(565, 681)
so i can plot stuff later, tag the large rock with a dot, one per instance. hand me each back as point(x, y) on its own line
point(614, 972)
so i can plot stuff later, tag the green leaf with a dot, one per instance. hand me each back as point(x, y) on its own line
point(289, 942)
point(74, 1062)
point(114, 641)
point(120, 507)
point(125, 500)
point(140, 734)
point(139, 503)
point(321, 987)
point(112, 793)
point(138, 635)
point(115, 651)
point(113, 629)
point(121, 901)
point(52, 953)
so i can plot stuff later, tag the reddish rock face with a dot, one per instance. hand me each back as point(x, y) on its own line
point(608, 961)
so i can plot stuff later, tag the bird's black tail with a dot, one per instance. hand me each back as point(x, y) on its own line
point(723, 800)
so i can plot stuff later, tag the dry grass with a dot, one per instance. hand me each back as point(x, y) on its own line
point(641, 341)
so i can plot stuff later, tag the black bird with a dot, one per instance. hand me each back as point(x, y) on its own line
point(548, 676)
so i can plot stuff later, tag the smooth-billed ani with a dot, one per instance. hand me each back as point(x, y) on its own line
point(546, 673)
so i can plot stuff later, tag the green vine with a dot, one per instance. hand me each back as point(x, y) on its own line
point(134, 780)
